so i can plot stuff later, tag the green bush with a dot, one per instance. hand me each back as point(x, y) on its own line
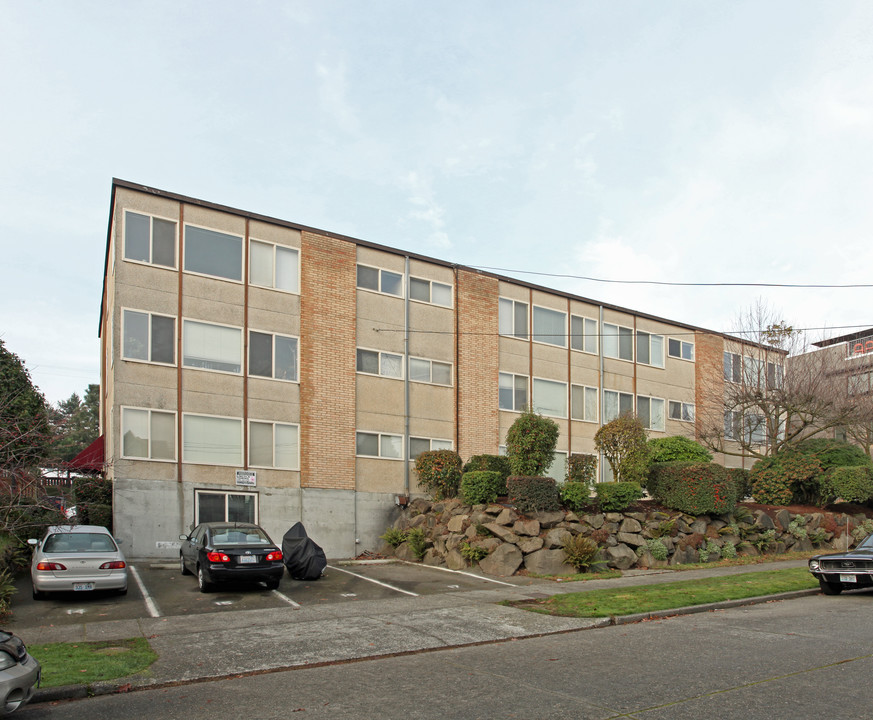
point(617, 496)
point(93, 501)
point(439, 473)
point(530, 444)
point(786, 477)
point(25, 518)
point(834, 453)
point(481, 486)
point(582, 468)
point(472, 553)
point(495, 463)
point(852, 484)
point(693, 488)
point(657, 548)
point(677, 448)
point(530, 494)
point(740, 478)
point(393, 536)
point(417, 542)
point(623, 443)
point(575, 496)
point(581, 552)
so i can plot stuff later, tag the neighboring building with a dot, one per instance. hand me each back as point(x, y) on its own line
point(261, 370)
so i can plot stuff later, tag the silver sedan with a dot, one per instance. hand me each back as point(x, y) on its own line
point(75, 558)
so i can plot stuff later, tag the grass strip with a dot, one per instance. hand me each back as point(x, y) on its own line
point(86, 662)
point(671, 595)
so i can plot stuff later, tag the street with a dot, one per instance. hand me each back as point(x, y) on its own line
point(808, 657)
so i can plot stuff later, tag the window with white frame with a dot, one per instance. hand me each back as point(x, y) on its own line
point(418, 445)
point(558, 469)
point(274, 445)
point(430, 371)
point(550, 326)
point(379, 445)
point(512, 318)
point(860, 383)
point(583, 403)
point(650, 349)
point(217, 506)
point(583, 334)
point(618, 342)
point(211, 440)
point(211, 347)
point(616, 403)
point(512, 392)
point(733, 423)
point(274, 266)
point(650, 411)
point(209, 252)
point(272, 356)
point(774, 376)
point(430, 291)
point(374, 362)
point(550, 397)
point(755, 428)
point(149, 239)
point(733, 367)
point(148, 337)
point(681, 411)
point(379, 280)
point(148, 434)
point(680, 349)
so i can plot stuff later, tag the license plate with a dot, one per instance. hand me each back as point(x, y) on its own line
point(247, 559)
point(83, 586)
point(847, 578)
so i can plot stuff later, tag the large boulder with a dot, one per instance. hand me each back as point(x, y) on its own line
point(531, 528)
point(557, 538)
point(504, 533)
point(455, 561)
point(620, 557)
point(548, 562)
point(503, 562)
point(530, 544)
point(456, 524)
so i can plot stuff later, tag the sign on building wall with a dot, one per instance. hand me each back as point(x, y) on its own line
point(248, 478)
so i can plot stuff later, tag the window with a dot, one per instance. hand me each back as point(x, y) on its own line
point(379, 445)
point(681, 411)
point(382, 281)
point(272, 356)
point(550, 326)
point(374, 362)
point(774, 376)
point(583, 334)
point(211, 347)
point(650, 349)
point(733, 368)
point(751, 428)
point(274, 266)
point(732, 424)
point(860, 383)
point(650, 411)
point(148, 434)
point(755, 429)
point(211, 440)
point(583, 403)
point(149, 239)
point(210, 252)
point(512, 318)
point(550, 397)
point(274, 445)
point(618, 342)
point(753, 372)
point(558, 468)
point(419, 445)
point(680, 349)
point(430, 371)
point(616, 403)
point(149, 337)
point(213, 506)
point(430, 291)
point(512, 392)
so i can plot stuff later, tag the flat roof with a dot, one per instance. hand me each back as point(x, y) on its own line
point(844, 338)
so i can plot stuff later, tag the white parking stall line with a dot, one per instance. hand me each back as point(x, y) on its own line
point(286, 599)
point(376, 582)
point(151, 605)
point(461, 572)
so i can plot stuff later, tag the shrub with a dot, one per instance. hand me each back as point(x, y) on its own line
point(581, 552)
point(530, 494)
point(852, 484)
point(393, 536)
point(817, 536)
point(471, 553)
point(481, 486)
point(765, 539)
point(582, 468)
point(623, 442)
point(530, 444)
point(663, 529)
point(728, 550)
point(495, 463)
point(656, 548)
point(417, 542)
point(93, 501)
point(575, 496)
point(693, 488)
point(740, 478)
point(787, 476)
point(677, 448)
point(834, 453)
point(439, 473)
point(617, 496)
point(708, 550)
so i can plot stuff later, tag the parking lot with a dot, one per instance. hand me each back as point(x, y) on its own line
point(157, 589)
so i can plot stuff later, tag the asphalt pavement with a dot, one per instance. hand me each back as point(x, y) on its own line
point(198, 647)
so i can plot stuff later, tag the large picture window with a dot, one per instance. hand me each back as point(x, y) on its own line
point(512, 392)
point(211, 347)
point(650, 411)
point(274, 266)
point(272, 356)
point(615, 404)
point(210, 252)
point(149, 337)
point(512, 318)
point(212, 440)
point(274, 445)
point(148, 434)
point(149, 239)
point(618, 342)
point(550, 326)
point(214, 506)
point(583, 403)
point(650, 349)
point(550, 397)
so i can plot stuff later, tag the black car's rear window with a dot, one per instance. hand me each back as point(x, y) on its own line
point(239, 536)
point(79, 543)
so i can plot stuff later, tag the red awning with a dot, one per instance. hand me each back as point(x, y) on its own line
point(90, 459)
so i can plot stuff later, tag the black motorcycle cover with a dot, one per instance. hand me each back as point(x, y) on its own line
point(304, 559)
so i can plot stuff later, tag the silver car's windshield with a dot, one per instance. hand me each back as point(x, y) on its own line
point(79, 543)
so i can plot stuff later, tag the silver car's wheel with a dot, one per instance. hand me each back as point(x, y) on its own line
point(205, 585)
point(182, 568)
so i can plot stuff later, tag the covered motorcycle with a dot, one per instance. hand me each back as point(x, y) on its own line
point(304, 559)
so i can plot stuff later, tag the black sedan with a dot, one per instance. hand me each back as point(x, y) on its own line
point(848, 570)
point(227, 552)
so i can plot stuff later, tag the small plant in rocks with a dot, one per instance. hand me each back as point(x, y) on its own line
point(393, 536)
point(417, 542)
point(728, 550)
point(581, 552)
point(472, 553)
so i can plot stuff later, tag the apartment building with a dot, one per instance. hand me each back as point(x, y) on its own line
point(260, 370)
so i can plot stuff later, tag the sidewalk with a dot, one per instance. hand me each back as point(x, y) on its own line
point(194, 648)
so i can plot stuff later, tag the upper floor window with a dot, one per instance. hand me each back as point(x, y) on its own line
point(680, 349)
point(211, 347)
point(618, 342)
point(550, 326)
point(650, 411)
point(430, 291)
point(381, 281)
point(274, 266)
point(860, 383)
point(149, 239)
point(148, 434)
point(374, 362)
point(558, 469)
point(148, 337)
point(381, 445)
point(733, 367)
point(512, 318)
point(272, 356)
point(418, 445)
point(210, 252)
point(650, 349)
point(583, 334)
point(583, 403)
point(550, 397)
point(212, 440)
point(512, 391)
point(274, 445)
point(616, 403)
point(430, 371)
point(681, 411)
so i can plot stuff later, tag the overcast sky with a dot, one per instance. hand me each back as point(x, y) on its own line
point(673, 141)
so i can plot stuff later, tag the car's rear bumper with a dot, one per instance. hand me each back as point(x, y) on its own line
point(220, 573)
point(17, 684)
point(53, 582)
